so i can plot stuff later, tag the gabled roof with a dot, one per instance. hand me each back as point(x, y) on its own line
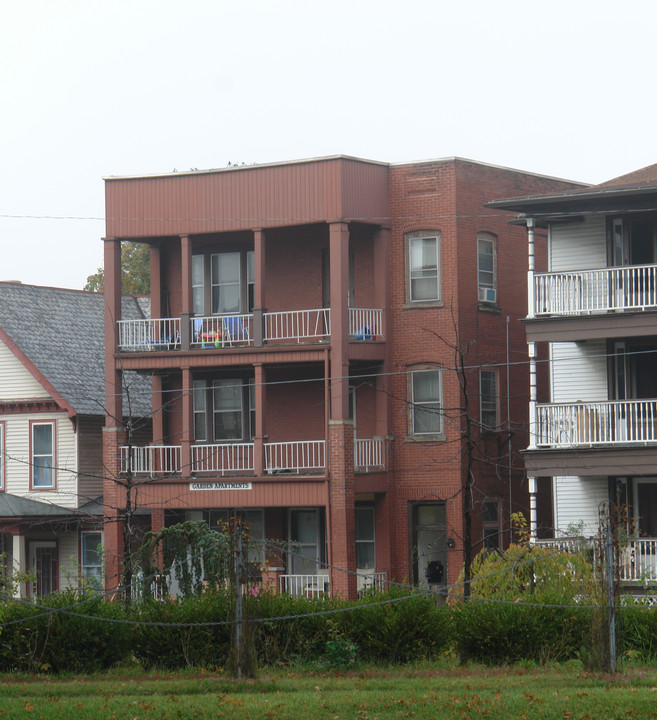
point(633, 191)
point(59, 335)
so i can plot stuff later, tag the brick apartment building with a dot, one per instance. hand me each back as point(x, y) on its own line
point(307, 320)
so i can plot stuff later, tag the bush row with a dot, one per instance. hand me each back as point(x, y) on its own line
point(67, 633)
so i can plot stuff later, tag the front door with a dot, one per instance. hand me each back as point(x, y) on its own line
point(429, 544)
point(43, 565)
point(645, 507)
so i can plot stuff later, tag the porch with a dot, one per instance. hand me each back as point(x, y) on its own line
point(584, 292)
point(247, 330)
point(297, 457)
point(580, 424)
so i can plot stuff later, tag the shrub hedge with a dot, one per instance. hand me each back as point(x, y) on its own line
point(69, 633)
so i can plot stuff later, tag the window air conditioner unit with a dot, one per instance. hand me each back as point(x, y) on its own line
point(487, 294)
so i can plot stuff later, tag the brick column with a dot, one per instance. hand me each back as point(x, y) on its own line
point(155, 282)
point(186, 290)
point(342, 509)
point(113, 502)
point(158, 415)
point(259, 439)
point(187, 422)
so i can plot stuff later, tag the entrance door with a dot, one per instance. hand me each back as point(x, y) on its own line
point(43, 563)
point(645, 507)
point(304, 542)
point(430, 545)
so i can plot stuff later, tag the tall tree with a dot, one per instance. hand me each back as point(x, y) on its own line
point(135, 271)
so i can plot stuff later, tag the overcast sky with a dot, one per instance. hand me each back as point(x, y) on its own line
point(91, 88)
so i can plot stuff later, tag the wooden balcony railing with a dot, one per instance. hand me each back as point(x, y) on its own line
point(369, 454)
point(365, 324)
point(147, 335)
point(304, 585)
point(295, 457)
point(297, 325)
point(570, 425)
point(222, 458)
point(151, 460)
point(582, 292)
point(221, 331)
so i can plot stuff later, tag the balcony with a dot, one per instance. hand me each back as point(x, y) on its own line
point(637, 559)
point(585, 292)
point(304, 585)
point(304, 457)
point(579, 425)
point(228, 331)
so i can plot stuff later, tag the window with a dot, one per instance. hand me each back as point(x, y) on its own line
point(43, 455)
point(426, 405)
point(224, 410)
point(424, 268)
point(488, 399)
point(491, 525)
point(486, 276)
point(223, 283)
point(92, 559)
point(2, 456)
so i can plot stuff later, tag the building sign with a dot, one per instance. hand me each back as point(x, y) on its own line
point(220, 486)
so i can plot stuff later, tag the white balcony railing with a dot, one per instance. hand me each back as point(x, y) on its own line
point(222, 458)
point(377, 581)
point(566, 425)
point(221, 331)
point(145, 335)
point(369, 454)
point(295, 457)
point(151, 460)
point(637, 559)
point(297, 325)
point(582, 292)
point(365, 324)
point(304, 585)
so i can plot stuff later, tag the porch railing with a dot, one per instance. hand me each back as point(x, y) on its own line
point(145, 335)
point(566, 425)
point(369, 454)
point(377, 581)
point(637, 560)
point(297, 325)
point(295, 457)
point(221, 331)
point(304, 585)
point(222, 458)
point(151, 459)
point(365, 324)
point(581, 292)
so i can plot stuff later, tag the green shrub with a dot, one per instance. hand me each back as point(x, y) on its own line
point(159, 643)
point(80, 635)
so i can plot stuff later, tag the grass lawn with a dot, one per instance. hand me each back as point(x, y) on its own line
point(421, 692)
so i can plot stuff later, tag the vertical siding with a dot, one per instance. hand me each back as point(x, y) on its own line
point(16, 382)
point(17, 428)
point(577, 500)
point(579, 371)
point(578, 246)
point(69, 566)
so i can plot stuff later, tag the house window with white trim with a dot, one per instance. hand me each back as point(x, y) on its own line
point(486, 268)
point(423, 264)
point(365, 541)
point(43, 455)
point(488, 400)
point(426, 402)
point(92, 559)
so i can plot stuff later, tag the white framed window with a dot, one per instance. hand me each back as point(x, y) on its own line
point(488, 399)
point(486, 268)
point(426, 402)
point(92, 558)
point(42, 451)
point(423, 267)
point(224, 410)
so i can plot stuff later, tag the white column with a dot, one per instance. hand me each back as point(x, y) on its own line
point(533, 523)
point(19, 561)
point(531, 306)
point(531, 348)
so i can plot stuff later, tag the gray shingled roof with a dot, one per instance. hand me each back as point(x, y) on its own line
point(62, 332)
point(13, 506)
